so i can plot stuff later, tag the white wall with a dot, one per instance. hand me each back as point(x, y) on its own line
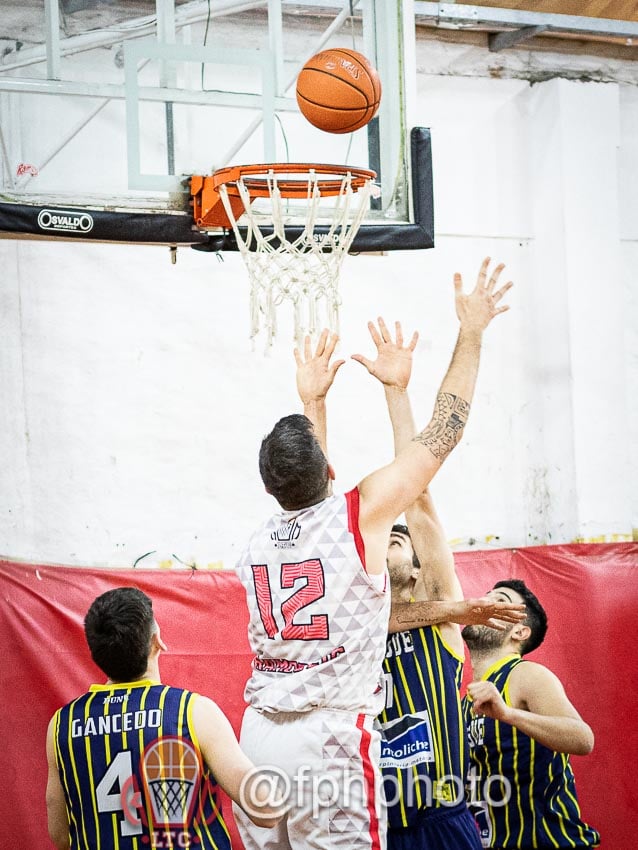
point(133, 407)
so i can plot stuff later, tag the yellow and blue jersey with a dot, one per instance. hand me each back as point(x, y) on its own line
point(132, 771)
point(423, 745)
point(521, 793)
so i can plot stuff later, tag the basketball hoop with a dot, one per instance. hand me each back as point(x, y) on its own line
point(285, 262)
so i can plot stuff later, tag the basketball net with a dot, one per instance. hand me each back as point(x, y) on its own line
point(302, 269)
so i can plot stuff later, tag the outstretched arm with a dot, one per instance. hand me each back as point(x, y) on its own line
point(466, 612)
point(393, 368)
point(389, 491)
point(539, 708)
point(315, 375)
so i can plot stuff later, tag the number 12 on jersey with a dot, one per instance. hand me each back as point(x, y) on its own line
point(311, 572)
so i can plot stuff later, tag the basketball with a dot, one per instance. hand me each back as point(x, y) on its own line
point(338, 90)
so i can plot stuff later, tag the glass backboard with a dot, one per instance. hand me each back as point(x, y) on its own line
point(108, 106)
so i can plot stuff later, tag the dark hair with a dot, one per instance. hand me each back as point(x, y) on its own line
point(292, 464)
point(399, 528)
point(118, 628)
point(536, 617)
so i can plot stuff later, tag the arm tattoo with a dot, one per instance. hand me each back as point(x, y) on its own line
point(410, 616)
point(446, 426)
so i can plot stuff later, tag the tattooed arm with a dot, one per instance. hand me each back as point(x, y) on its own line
point(387, 492)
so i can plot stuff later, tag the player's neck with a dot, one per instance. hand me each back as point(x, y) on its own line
point(151, 674)
point(483, 659)
point(152, 671)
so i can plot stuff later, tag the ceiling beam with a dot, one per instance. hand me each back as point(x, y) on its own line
point(460, 16)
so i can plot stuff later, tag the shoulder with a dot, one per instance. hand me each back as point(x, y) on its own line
point(206, 712)
point(532, 671)
point(527, 677)
point(204, 706)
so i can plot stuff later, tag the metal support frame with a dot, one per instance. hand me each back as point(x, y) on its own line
point(112, 91)
point(460, 16)
point(381, 21)
point(168, 78)
point(444, 15)
point(52, 20)
point(190, 13)
point(502, 40)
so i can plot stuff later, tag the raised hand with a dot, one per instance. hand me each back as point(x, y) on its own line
point(393, 365)
point(488, 612)
point(476, 310)
point(315, 373)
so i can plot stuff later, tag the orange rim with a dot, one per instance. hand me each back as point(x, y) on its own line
point(256, 180)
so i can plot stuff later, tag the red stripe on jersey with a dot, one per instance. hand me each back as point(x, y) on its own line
point(368, 778)
point(352, 501)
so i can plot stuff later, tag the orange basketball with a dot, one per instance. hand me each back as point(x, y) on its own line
point(338, 90)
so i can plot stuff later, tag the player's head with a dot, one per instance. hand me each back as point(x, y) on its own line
point(119, 628)
point(403, 564)
point(293, 466)
point(535, 616)
point(522, 637)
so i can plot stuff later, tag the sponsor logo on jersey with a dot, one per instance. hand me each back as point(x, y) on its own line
point(406, 741)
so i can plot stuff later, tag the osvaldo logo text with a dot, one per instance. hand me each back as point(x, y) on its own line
point(65, 220)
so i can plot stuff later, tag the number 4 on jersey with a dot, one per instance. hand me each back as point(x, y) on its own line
point(118, 776)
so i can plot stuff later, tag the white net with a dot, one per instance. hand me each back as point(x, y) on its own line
point(302, 269)
point(170, 799)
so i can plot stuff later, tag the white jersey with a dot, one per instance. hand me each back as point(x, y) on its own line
point(318, 625)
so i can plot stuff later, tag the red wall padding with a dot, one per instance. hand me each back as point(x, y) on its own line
point(590, 593)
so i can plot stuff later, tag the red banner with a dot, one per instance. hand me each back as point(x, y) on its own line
point(590, 593)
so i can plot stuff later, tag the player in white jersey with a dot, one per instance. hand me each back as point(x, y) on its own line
point(315, 578)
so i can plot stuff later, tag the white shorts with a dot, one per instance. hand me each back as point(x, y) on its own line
point(330, 765)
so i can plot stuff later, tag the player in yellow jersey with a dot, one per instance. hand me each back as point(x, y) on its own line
point(131, 762)
point(522, 729)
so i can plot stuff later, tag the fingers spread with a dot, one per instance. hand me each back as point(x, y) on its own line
point(321, 342)
point(495, 276)
point(331, 345)
point(363, 360)
point(336, 366)
point(307, 347)
point(385, 333)
point(480, 283)
point(374, 333)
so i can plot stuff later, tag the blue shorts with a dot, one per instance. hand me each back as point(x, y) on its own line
point(445, 828)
